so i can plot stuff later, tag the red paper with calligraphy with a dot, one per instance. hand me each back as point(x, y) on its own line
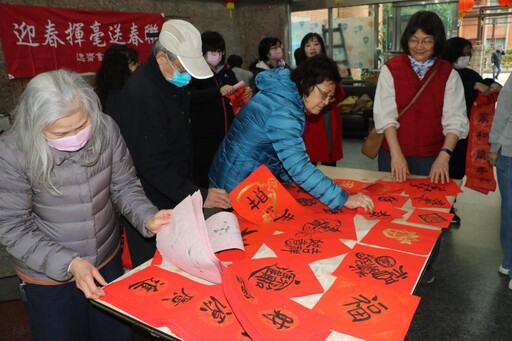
point(300, 248)
point(382, 211)
point(431, 217)
point(402, 237)
point(367, 311)
point(270, 315)
point(36, 39)
point(479, 173)
point(168, 297)
point(384, 267)
point(262, 199)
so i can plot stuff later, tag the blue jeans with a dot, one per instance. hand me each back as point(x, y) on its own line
point(61, 312)
point(504, 172)
point(496, 69)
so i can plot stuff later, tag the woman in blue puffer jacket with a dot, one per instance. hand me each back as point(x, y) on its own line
point(269, 130)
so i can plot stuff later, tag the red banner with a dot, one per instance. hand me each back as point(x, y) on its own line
point(36, 39)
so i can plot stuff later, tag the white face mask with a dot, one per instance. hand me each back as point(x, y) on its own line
point(461, 63)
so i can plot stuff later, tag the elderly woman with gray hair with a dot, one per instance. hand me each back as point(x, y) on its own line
point(63, 166)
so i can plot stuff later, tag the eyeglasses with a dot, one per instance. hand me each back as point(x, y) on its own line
point(425, 42)
point(325, 95)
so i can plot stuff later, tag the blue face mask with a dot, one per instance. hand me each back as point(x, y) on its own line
point(179, 79)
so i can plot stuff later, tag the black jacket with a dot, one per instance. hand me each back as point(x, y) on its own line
point(153, 116)
point(210, 117)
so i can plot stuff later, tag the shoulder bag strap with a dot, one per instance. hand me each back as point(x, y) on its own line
point(418, 93)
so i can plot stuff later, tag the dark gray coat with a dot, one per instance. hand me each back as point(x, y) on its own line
point(43, 232)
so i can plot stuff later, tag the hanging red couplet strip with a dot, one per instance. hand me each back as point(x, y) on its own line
point(480, 175)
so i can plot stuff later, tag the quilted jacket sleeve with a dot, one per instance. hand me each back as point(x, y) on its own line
point(285, 129)
point(18, 232)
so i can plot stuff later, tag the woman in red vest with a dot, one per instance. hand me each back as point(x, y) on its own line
point(322, 135)
point(422, 140)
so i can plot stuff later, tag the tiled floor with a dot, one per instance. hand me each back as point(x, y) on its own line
point(469, 300)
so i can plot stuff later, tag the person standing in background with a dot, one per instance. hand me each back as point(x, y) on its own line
point(117, 65)
point(458, 53)
point(421, 141)
point(270, 56)
point(210, 111)
point(235, 63)
point(323, 133)
point(501, 156)
point(153, 113)
point(496, 59)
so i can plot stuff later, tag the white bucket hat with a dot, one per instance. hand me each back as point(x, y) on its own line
point(184, 40)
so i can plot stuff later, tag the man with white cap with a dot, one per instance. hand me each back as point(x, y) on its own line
point(152, 111)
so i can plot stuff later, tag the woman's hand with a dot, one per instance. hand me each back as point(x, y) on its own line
point(492, 158)
point(399, 168)
point(226, 90)
point(481, 87)
point(86, 276)
point(247, 93)
point(217, 197)
point(360, 200)
point(440, 169)
point(161, 218)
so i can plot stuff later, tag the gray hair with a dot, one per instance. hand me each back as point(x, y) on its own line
point(49, 97)
point(157, 47)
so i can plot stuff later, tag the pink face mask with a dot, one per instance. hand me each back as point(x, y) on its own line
point(213, 58)
point(276, 54)
point(71, 143)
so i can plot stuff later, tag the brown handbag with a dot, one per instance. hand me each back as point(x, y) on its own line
point(373, 141)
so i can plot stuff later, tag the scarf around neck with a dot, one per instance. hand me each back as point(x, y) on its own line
point(421, 68)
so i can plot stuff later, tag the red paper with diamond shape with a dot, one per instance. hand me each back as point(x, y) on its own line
point(276, 275)
point(367, 311)
point(271, 316)
point(431, 217)
point(388, 268)
point(402, 237)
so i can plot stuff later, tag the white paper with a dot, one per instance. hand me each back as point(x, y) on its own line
point(224, 232)
point(185, 243)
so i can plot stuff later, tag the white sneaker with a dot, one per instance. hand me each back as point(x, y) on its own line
point(503, 271)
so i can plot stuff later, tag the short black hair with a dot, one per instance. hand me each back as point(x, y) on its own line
point(212, 41)
point(430, 24)
point(313, 71)
point(265, 45)
point(234, 60)
point(454, 48)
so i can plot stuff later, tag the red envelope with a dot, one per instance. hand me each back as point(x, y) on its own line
point(384, 267)
point(367, 311)
point(262, 199)
point(382, 211)
point(402, 237)
point(431, 217)
point(305, 249)
point(238, 100)
point(270, 316)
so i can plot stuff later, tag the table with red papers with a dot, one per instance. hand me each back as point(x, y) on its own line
point(307, 272)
